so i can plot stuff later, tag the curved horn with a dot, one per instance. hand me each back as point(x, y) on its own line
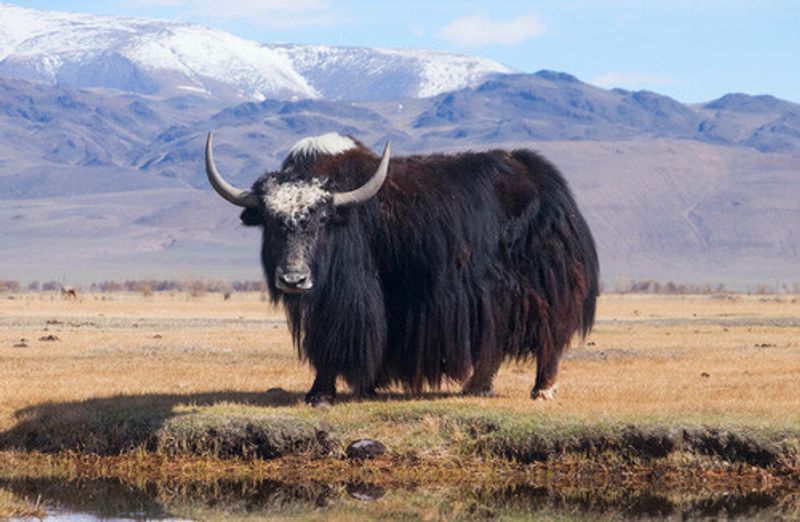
point(368, 189)
point(240, 198)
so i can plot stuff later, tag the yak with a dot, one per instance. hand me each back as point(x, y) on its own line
point(432, 268)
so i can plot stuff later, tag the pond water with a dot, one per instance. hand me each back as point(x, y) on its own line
point(115, 500)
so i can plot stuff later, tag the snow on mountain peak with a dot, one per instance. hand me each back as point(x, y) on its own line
point(372, 73)
point(166, 58)
point(144, 56)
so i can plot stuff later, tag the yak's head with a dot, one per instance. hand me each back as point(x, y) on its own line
point(295, 208)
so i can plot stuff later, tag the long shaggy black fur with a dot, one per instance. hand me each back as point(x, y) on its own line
point(458, 263)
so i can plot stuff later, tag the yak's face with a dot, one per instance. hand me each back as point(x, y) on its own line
point(294, 207)
point(294, 215)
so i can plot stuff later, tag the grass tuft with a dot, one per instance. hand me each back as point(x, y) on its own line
point(14, 506)
point(255, 435)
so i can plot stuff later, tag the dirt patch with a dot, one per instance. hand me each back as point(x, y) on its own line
point(778, 322)
point(578, 354)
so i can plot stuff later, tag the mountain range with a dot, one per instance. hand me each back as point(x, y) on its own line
point(168, 59)
point(102, 124)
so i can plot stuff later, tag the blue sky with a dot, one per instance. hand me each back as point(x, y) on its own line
point(692, 50)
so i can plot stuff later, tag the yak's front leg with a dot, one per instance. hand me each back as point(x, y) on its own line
point(323, 391)
point(345, 333)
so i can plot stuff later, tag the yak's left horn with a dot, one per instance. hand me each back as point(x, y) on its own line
point(368, 189)
point(239, 197)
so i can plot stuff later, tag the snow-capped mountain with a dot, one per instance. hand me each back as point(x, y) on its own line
point(169, 59)
point(360, 73)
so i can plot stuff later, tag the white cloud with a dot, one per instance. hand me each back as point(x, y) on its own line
point(631, 80)
point(479, 30)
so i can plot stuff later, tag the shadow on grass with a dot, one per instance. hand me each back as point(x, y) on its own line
point(179, 423)
point(111, 425)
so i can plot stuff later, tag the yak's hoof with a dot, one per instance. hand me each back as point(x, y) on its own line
point(320, 400)
point(548, 394)
point(368, 395)
point(478, 392)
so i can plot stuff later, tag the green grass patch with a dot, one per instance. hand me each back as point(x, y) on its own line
point(248, 434)
point(531, 440)
point(442, 429)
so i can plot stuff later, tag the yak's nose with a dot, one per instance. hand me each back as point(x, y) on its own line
point(293, 281)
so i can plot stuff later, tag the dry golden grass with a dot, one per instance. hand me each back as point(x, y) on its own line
point(131, 345)
point(130, 368)
point(13, 506)
point(690, 358)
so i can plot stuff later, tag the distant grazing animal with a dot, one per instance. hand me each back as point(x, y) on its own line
point(68, 292)
point(437, 267)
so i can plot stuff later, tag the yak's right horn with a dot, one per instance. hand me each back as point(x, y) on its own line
point(368, 189)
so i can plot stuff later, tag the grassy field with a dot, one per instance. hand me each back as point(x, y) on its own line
point(123, 385)
point(733, 358)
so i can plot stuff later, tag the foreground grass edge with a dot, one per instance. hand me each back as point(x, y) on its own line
point(417, 429)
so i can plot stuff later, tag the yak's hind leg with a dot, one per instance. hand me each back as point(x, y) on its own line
point(480, 382)
point(546, 373)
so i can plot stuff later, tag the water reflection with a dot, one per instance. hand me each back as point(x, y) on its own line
point(366, 492)
point(114, 499)
point(650, 504)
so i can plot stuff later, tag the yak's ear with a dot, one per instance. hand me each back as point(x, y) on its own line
point(252, 217)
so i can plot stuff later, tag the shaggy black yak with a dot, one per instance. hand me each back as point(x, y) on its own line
point(424, 268)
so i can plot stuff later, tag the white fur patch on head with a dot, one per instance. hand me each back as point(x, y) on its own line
point(292, 200)
point(331, 143)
